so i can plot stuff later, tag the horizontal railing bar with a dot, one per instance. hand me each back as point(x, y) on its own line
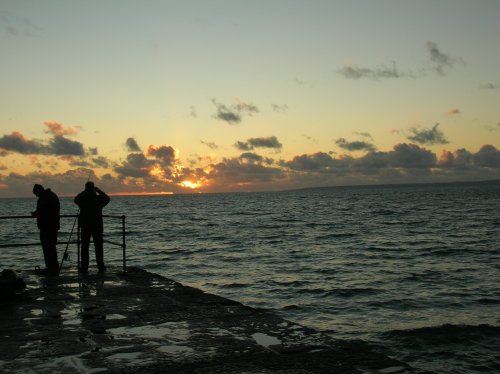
point(78, 242)
point(61, 216)
point(29, 244)
point(17, 217)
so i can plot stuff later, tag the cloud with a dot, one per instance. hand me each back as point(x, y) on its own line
point(59, 129)
point(460, 159)
point(251, 157)
point(165, 155)
point(132, 145)
point(383, 72)
point(410, 156)
point(316, 162)
point(234, 114)
point(310, 138)
point(441, 61)
point(428, 136)
point(192, 111)
point(59, 145)
point(363, 135)
point(453, 112)
point(404, 163)
point(487, 156)
point(136, 165)
point(355, 145)
point(15, 26)
point(302, 82)
point(16, 142)
point(491, 85)
point(280, 108)
point(93, 162)
point(269, 142)
point(236, 174)
point(210, 145)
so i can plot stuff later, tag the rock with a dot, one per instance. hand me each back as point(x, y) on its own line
point(10, 284)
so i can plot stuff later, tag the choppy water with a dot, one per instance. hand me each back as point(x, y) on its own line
point(414, 270)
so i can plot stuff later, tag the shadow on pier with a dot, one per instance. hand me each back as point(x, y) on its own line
point(142, 322)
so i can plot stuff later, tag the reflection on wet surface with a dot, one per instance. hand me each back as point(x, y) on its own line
point(116, 322)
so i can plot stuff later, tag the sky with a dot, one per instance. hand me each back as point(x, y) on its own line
point(230, 95)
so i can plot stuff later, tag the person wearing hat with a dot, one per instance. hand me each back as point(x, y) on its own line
point(47, 220)
point(91, 201)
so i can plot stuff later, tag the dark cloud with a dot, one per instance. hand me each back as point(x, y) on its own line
point(354, 145)
point(236, 174)
point(165, 155)
point(16, 142)
point(234, 114)
point(441, 61)
point(405, 163)
point(487, 156)
point(428, 136)
point(243, 146)
point(251, 157)
point(59, 145)
point(93, 151)
point(93, 162)
point(226, 114)
point(383, 72)
point(132, 145)
point(269, 142)
point(460, 159)
point(246, 108)
point(319, 161)
point(136, 165)
point(402, 156)
point(411, 156)
point(210, 145)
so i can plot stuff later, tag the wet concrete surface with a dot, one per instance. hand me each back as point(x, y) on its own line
point(142, 322)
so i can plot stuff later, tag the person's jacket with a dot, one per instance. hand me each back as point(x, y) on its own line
point(47, 211)
point(91, 204)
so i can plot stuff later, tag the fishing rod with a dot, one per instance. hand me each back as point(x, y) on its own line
point(66, 254)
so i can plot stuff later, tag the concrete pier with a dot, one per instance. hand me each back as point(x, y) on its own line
point(142, 322)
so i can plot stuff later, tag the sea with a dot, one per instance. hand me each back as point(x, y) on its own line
point(412, 270)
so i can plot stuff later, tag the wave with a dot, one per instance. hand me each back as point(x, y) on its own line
point(447, 334)
point(447, 348)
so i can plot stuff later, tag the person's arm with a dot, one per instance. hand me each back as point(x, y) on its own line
point(78, 199)
point(103, 197)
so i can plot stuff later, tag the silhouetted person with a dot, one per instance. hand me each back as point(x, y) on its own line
point(47, 220)
point(91, 201)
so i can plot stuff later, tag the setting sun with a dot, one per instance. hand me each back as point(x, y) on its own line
point(189, 184)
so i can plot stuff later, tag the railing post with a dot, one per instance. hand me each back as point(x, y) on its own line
point(124, 245)
point(78, 241)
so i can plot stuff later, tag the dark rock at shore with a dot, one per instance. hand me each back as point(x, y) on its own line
point(141, 322)
point(10, 285)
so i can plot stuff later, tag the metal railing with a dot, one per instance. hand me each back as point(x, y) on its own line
point(123, 243)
